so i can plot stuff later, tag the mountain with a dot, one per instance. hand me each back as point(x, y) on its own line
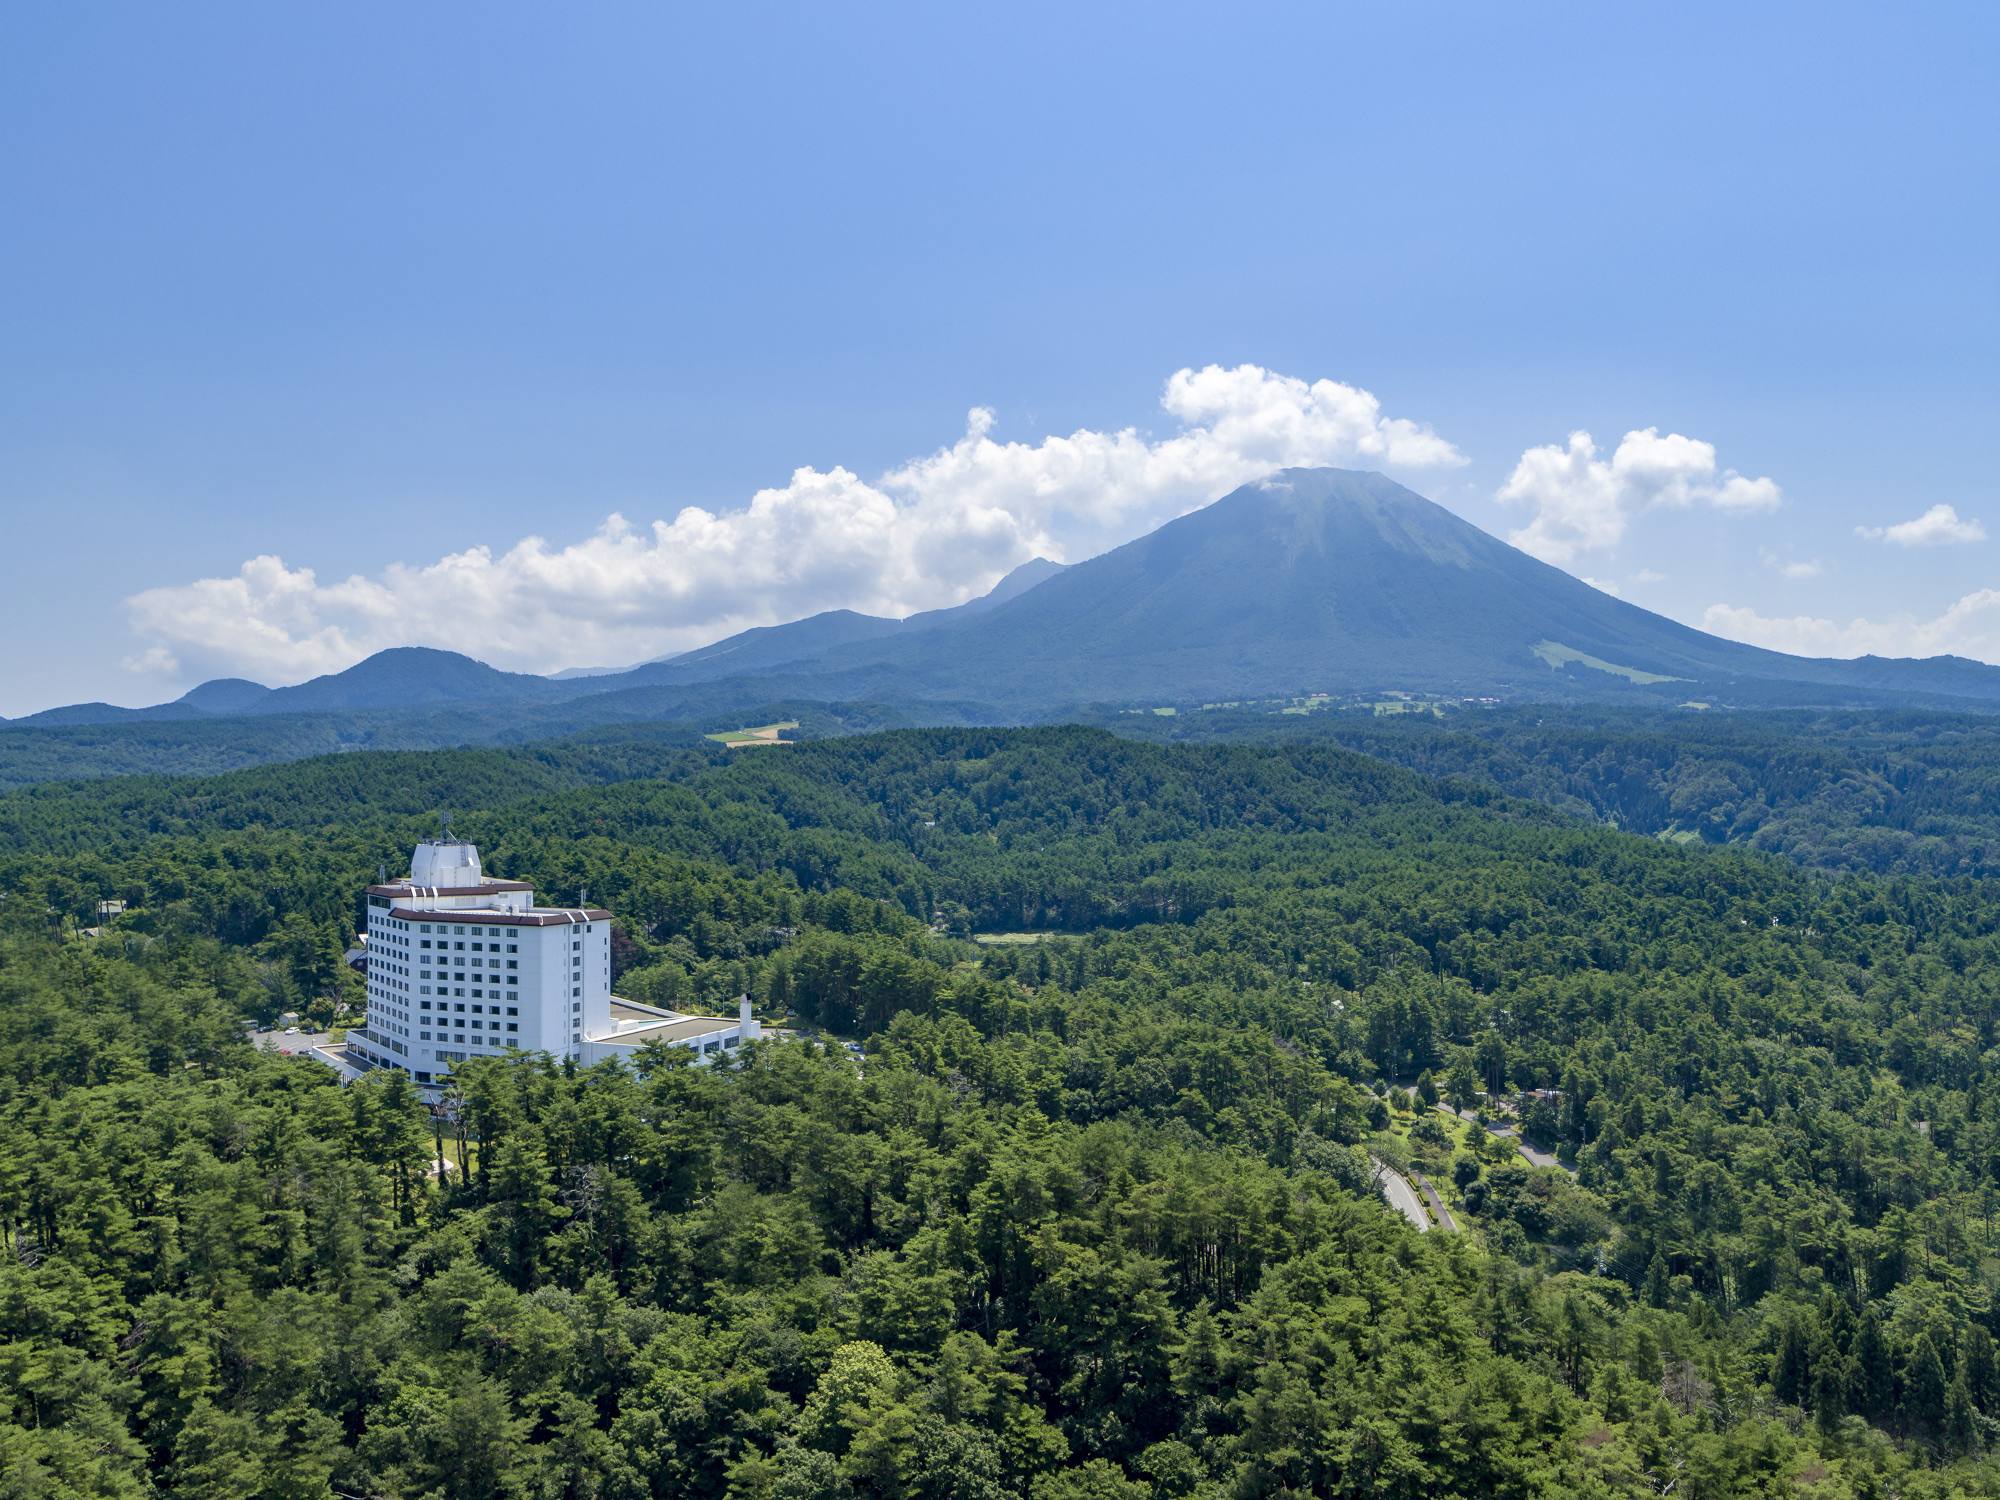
point(74, 715)
point(225, 695)
point(1035, 571)
point(1311, 581)
point(767, 647)
point(569, 672)
point(1330, 581)
point(410, 677)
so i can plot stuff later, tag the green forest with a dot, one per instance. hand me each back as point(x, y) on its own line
point(1094, 1214)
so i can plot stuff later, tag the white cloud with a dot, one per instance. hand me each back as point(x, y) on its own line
point(1939, 526)
point(1603, 586)
point(1971, 627)
point(1793, 569)
point(1583, 503)
point(933, 531)
point(1649, 575)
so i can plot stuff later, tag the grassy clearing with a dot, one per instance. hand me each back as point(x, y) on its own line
point(1557, 655)
point(1310, 704)
point(1014, 939)
point(761, 734)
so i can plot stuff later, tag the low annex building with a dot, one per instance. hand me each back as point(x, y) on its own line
point(462, 965)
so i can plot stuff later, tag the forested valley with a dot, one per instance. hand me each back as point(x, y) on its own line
point(1094, 1215)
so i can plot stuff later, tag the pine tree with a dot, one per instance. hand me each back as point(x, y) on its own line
point(1791, 1374)
point(1874, 1375)
point(1924, 1390)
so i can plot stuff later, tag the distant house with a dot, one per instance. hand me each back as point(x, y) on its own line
point(106, 910)
point(357, 956)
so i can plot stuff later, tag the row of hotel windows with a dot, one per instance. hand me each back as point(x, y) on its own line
point(425, 1036)
point(403, 925)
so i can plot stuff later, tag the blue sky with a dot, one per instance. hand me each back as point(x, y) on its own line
point(363, 290)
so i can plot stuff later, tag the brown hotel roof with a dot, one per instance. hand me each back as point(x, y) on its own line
point(539, 917)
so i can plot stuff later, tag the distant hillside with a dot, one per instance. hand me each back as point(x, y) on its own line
point(410, 677)
point(818, 636)
point(226, 695)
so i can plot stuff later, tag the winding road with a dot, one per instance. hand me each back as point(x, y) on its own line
point(1402, 1197)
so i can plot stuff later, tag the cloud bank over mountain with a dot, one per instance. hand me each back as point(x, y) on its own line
point(1583, 504)
point(933, 531)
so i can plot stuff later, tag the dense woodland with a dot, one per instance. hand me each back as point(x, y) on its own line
point(1093, 1220)
point(1885, 790)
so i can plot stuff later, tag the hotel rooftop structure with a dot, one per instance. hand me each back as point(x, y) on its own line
point(462, 965)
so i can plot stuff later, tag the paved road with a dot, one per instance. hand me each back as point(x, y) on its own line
point(1529, 1154)
point(1402, 1197)
point(1443, 1214)
point(301, 1041)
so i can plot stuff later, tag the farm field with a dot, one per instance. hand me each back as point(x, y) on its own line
point(762, 734)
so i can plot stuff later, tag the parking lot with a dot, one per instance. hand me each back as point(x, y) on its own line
point(296, 1040)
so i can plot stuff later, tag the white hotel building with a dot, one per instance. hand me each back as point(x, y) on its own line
point(462, 965)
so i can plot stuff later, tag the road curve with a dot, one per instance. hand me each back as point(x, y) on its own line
point(1402, 1197)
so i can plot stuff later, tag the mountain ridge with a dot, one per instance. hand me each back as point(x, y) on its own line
point(1310, 581)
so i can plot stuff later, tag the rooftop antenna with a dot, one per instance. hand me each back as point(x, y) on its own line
point(382, 874)
point(444, 827)
point(583, 895)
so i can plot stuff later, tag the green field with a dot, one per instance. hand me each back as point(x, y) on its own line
point(761, 734)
